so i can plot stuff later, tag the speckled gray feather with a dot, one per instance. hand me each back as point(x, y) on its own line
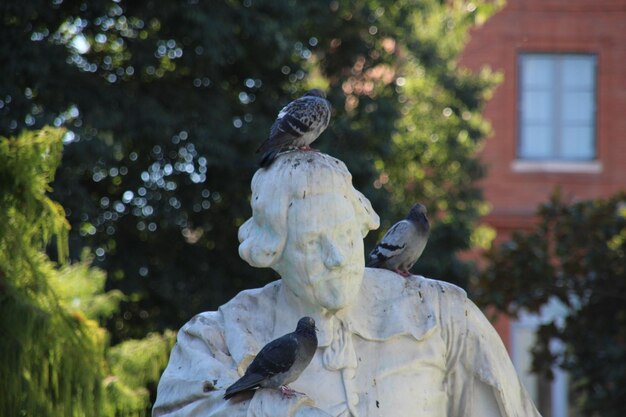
point(403, 243)
point(297, 125)
point(281, 361)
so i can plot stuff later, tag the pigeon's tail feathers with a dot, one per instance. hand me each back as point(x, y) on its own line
point(374, 261)
point(268, 157)
point(267, 144)
point(246, 382)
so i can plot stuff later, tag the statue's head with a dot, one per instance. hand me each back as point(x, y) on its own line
point(308, 223)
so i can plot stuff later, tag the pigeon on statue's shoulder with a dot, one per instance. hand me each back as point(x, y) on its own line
point(280, 362)
point(403, 244)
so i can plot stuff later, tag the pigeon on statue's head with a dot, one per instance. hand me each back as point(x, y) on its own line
point(403, 244)
point(297, 125)
point(280, 362)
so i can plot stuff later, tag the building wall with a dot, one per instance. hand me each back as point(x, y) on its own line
point(515, 189)
point(555, 26)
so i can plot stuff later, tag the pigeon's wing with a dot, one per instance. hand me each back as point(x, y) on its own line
point(292, 122)
point(276, 357)
point(246, 382)
point(391, 245)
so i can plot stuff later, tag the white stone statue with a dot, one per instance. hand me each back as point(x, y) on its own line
point(388, 346)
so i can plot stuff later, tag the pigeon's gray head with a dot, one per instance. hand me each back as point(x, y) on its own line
point(316, 92)
point(417, 213)
point(306, 325)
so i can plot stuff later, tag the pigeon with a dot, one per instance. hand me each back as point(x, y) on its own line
point(297, 125)
point(403, 244)
point(280, 362)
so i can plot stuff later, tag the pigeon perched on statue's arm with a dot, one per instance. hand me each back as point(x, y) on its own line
point(403, 244)
point(280, 362)
point(297, 125)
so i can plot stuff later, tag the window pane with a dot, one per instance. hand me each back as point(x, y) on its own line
point(557, 106)
point(537, 71)
point(578, 72)
point(577, 107)
point(577, 143)
point(536, 142)
point(537, 106)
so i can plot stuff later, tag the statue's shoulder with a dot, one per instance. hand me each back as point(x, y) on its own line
point(444, 288)
point(388, 284)
point(254, 296)
point(252, 301)
point(247, 303)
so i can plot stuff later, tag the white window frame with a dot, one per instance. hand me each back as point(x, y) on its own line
point(556, 162)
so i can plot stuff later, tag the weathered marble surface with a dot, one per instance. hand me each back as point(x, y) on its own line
point(388, 346)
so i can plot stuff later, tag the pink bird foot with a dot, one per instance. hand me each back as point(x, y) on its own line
point(308, 148)
point(403, 273)
point(288, 392)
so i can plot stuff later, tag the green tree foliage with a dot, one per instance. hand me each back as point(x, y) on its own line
point(576, 254)
point(54, 355)
point(166, 102)
point(50, 362)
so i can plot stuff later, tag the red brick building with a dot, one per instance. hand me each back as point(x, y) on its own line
point(592, 35)
point(558, 118)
